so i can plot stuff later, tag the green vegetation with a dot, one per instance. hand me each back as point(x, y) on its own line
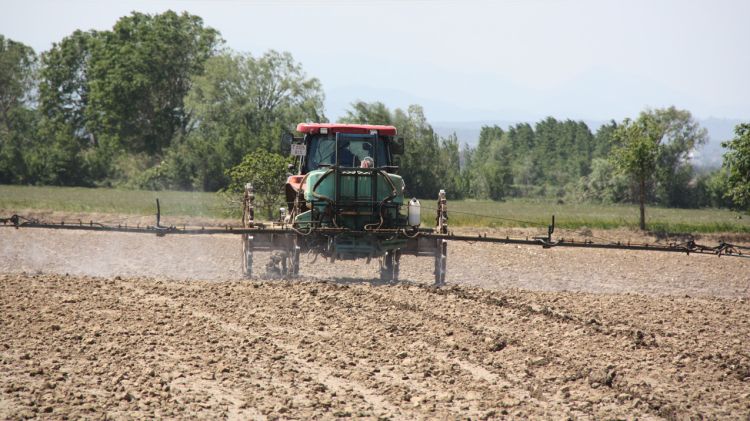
point(154, 103)
point(536, 212)
point(546, 159)
point(483, 213)
point(266, 171)
point(106, 200)
point(655, 150)
point(737, 164)
point(635, 156)
point(158, 103)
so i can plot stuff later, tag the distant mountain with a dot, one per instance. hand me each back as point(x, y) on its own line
point(709, 156)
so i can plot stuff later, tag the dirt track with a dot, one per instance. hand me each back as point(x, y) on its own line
point(127, 346)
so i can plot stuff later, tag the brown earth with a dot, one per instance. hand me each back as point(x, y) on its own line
point(146, 327)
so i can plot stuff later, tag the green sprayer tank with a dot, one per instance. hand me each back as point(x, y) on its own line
point(347, 179)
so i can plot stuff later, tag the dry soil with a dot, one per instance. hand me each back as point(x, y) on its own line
point(96, 325)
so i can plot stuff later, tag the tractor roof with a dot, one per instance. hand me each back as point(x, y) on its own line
point(314, 128)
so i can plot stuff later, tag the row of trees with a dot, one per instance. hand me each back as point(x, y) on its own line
point(646, 160)
point(565, 159)
point(157, 102)
point(532, 161)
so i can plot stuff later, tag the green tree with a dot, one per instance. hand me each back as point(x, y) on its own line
point(710, 189)
point(603, 140)
point(490, 174)
point(139, 74)
point(678, 136)
point(112, 98)
point(527, 172)
point(239, 105)
point(17, 78)
point(362, 112)
point(420, 165)
point(17, 119)
point(562, 151)
point(636, 154)
point(603, 184)
point(64, 85)
point(450, 166)
point(674, 182)
point(548, 158)
point(497, 172)
point(67, 146)
point(266, 171)
point(737, 164)
point(245, 98)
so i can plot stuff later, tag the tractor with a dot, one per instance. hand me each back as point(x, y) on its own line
point(346, 201)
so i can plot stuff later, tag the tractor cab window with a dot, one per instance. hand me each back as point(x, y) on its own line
point(352, 150)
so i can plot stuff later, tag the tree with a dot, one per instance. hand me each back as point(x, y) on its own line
point(490, 170)
point(420, 165)
point(368, 113)
point(450, 166)
point(266, 171)
point(678, 136)
point(549, 158)
point(243, 97)
point(603, 140)
point(239, 105)
point(496, 170)
point(117, 96)
point(64, 85)
point(603, 184)
point(654, 151)
point(17, 119)
point(737, 163)
point(67, 144)
point(527, 172)
point(139, 74)
point(636, 153)
point(17, 77)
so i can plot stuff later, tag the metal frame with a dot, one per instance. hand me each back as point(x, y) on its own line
point(290, 242)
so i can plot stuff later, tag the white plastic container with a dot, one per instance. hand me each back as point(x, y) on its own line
point(414, 212)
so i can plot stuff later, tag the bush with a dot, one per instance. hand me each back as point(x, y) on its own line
point(267, 172)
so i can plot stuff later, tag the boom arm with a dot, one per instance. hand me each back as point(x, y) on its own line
point(416, 237)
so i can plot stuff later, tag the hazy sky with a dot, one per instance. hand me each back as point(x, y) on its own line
point(471, 60)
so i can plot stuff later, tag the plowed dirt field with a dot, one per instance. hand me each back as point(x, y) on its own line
point(124, 326)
